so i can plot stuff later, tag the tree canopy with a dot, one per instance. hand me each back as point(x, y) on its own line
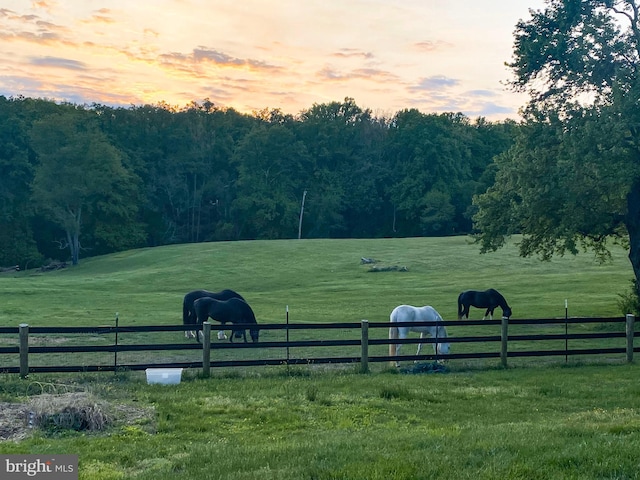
point(572, 178)
point(97, 179)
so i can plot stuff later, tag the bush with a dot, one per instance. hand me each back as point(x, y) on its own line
point(630, 301)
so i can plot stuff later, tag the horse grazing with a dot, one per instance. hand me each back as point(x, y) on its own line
point(408, 313)
point(234, 311)
point(189, 313)
point(489, 299)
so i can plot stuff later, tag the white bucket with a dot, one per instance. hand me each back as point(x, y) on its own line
point(165, 376)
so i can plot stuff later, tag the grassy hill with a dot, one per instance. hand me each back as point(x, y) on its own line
point(320, 280)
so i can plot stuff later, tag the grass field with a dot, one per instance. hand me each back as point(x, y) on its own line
point(572, 421)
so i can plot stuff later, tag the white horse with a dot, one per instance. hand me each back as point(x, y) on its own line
point(408, 313)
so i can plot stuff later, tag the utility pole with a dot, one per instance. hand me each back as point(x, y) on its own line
point(304, 195)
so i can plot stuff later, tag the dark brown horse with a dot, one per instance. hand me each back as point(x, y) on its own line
point(189, 313)
point(489, 299)
point(234, 311)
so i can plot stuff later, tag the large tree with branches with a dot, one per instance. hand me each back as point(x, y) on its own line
point(572, 179)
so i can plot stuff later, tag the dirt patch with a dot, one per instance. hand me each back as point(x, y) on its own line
point(13, 421)
point(69, 411)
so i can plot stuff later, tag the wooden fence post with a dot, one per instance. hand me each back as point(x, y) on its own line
point(24, 350)
point(206, 349)
point(364, 345)
point(504, 334)
point(630, 330)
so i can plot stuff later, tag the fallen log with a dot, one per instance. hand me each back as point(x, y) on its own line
point(53, 266)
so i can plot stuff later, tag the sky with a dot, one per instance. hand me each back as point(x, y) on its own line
point(388, 55)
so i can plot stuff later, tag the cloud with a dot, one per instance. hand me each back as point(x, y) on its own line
point(103, 16)
point(481, 93)
point(58, 62)
point(434, 83)
point(204, 55)
point(352, 52)
point(372, 74)
point(491, 109)
point(432, 46)
point(30, 29)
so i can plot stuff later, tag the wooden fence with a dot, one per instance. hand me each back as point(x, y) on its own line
point(361, 345)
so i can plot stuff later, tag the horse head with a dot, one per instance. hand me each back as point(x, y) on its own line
point(255, 333)
point(506, 311)
point(442, 348)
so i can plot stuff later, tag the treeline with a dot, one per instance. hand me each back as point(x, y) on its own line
point(89, 180)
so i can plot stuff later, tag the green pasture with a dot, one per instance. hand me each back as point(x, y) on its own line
point(533, 420)
point(318, 280)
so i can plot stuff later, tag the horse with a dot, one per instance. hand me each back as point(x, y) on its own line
point(189, 314)
point(233, 310)
point(408, 313)
point(489, 299)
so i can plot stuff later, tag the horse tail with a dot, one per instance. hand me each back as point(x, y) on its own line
point(185, 312)
point(460, 307)
point(393, 335)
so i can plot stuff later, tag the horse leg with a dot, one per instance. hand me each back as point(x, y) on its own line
point(398, 352)
point(419, 347)
point(393, 347)
point(189, 321)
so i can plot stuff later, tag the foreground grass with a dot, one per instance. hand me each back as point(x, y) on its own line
point(553, 423)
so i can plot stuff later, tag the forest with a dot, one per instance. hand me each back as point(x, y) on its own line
point(78, 181)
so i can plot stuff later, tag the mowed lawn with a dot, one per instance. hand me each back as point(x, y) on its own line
point(557, 421)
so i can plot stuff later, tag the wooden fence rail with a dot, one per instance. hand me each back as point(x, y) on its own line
point(24, 350)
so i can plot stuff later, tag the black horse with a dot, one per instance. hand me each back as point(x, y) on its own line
point(188, 312)
point(234, 311)
point(489, 299)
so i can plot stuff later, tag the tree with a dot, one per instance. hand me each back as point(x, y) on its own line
point(17, 244)
point(272, 173)
point(345, 142)
point(431, 160)
point(572, 179)
point(81, 176)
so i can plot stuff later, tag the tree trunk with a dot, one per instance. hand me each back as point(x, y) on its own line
point(74, 247)
point(633, 227)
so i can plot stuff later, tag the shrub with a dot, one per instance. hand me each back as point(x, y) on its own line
point(630, 301)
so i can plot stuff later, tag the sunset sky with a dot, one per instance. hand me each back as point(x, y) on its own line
point(433, 55)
